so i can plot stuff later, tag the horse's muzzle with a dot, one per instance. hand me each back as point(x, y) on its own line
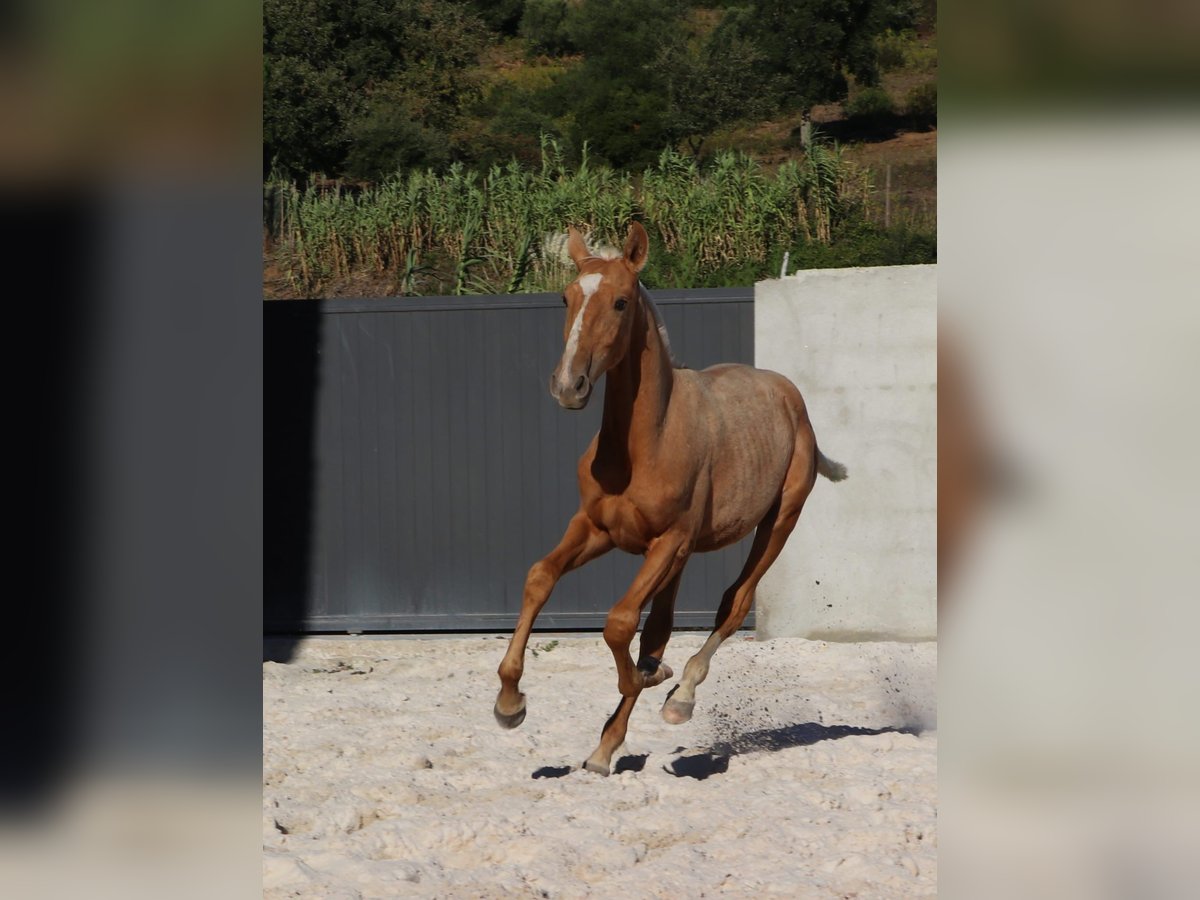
point(572, 396)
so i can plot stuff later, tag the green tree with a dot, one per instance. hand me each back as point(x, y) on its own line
point(501, 16)
point(808, 48)
point(304, 116)
point(387, 139)
point(393, 75)
point(544, 27)
point(618, 96)
point(709, 84)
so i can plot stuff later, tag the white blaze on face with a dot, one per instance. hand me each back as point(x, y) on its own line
point(589, 284)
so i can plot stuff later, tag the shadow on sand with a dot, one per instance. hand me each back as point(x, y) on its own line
point(715, 760)
point(624, 764)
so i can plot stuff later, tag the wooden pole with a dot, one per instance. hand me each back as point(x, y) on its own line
point(887, 198)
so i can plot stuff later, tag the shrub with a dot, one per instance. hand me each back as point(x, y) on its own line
point(387, 140)
point(904, 50)
point(871, 104)
point(921, 104)
point(893, 49)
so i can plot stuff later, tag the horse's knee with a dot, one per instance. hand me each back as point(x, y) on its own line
point(620, 628)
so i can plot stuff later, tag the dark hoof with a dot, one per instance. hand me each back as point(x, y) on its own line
point(509, 721)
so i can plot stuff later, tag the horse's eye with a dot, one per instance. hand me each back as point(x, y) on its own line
point(620, 304)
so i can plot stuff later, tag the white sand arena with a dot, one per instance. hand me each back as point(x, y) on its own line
point(808, 770)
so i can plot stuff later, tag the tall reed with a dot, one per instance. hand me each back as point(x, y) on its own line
point(500, 230)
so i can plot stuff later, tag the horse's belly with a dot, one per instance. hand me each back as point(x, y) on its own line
point(742, 495)
point(725, 534)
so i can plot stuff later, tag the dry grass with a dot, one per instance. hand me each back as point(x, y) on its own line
point(913, 160)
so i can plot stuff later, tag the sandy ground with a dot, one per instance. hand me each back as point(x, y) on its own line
point(808, 770)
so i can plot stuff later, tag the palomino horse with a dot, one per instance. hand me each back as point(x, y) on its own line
point(685, 462)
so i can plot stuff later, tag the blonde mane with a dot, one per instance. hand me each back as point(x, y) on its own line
point(662, 329)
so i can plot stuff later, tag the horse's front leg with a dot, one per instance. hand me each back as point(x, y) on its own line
point(664, 562)
point(582, 542)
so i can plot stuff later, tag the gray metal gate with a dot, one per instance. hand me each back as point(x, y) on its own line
point(417, 466)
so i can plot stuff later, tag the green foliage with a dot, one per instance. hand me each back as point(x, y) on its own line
point(891, 48)
point(304, 110)
point(502, 16)
point(625, 125)
point(727, 222)
point(904, 50)
point(921, 104)
point(365, 88)
point(336, 73)
point(923, 59)
point(544, 27)
point(864, 244)
point(709, 84)
point(808, 48)
point(871, 104)
point(617, 97)
point(520, 104)
point(471, 160)
point(387, 139)
point(621, 38)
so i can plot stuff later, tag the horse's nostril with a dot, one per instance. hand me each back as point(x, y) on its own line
point(580, 382)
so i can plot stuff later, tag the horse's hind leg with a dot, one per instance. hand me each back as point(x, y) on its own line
point(581, 542)
point(769, 539)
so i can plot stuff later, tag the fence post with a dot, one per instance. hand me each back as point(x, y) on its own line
point(887, 198)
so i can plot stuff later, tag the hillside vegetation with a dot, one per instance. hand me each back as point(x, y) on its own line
point(428, 146)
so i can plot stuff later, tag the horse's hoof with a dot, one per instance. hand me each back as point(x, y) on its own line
point(678, 711)
point(598, 768)
point(658, 676)
point(507, 721)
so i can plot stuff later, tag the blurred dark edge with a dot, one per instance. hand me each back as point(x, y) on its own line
point(135, 410)
point(50, 332)
point(290, 351)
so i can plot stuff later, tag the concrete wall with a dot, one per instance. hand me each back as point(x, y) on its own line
point(861, 346)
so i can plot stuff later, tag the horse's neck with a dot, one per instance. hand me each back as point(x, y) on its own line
point(637, 391)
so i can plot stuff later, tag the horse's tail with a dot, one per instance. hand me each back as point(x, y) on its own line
point(832, 470)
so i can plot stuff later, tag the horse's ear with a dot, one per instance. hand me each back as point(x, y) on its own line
point(576, 247)
point(637, 246)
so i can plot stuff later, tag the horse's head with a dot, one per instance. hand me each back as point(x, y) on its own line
point(601, 306)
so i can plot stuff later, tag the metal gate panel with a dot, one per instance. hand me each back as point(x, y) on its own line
point(416, 465)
